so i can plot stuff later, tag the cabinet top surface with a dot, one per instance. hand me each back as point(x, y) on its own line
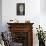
point(19, 23)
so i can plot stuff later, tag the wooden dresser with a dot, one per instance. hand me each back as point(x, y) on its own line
point(22, 33)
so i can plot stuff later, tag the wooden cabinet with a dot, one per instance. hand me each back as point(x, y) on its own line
point(22, 33)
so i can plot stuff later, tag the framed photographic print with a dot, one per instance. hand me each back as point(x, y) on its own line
point(20, 9)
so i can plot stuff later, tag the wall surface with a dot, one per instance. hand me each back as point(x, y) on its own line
point(43, 14)
point(0, 15)
point(33, 13)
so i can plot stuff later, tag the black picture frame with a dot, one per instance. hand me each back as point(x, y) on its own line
point(20, 8)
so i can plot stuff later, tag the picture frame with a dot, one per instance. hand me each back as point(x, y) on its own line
point(20, 8)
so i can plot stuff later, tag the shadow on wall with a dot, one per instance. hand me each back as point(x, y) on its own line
point(43, 6)
point(0, 15)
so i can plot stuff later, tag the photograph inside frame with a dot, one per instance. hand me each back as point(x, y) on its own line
point(20, 8)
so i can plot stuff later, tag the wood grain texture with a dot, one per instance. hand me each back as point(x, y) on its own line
point(22, 27)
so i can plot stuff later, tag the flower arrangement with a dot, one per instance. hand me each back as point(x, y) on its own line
point(40, 34)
